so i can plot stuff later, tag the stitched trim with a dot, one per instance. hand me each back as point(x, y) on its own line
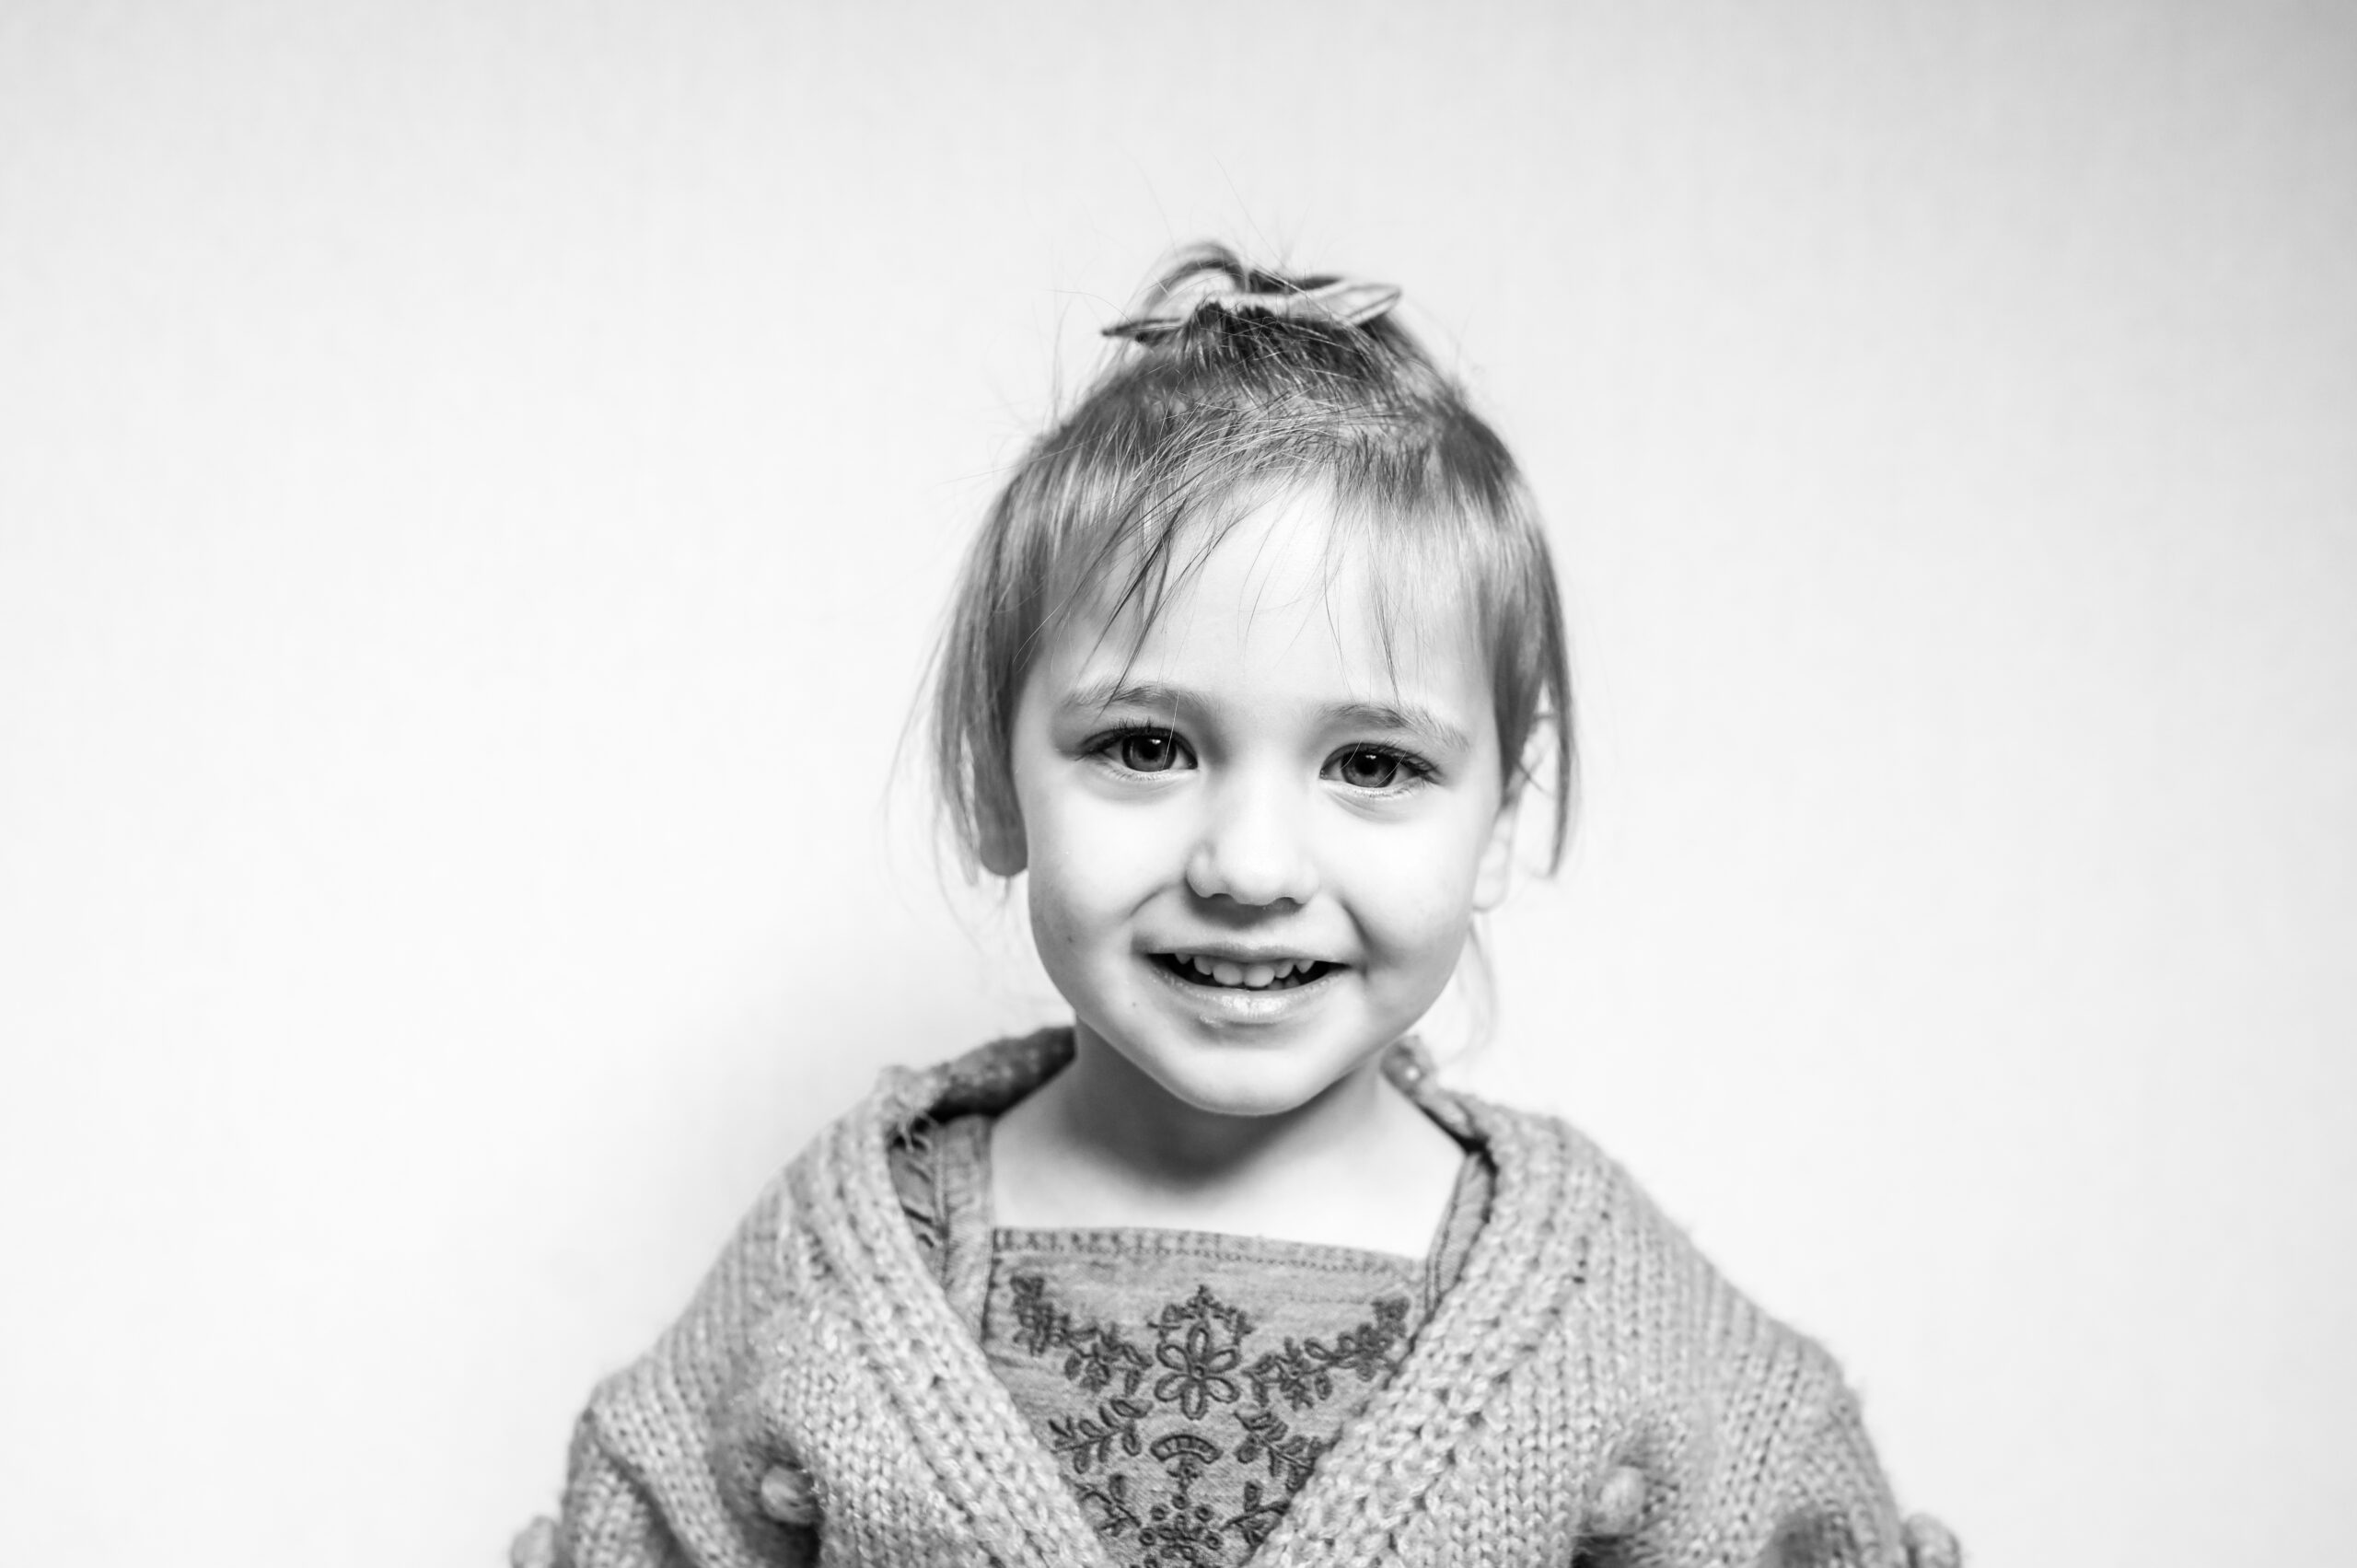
point(1215, 1246)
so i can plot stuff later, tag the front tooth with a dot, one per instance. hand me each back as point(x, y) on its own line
point(1227, 973)
point(1202, 965)
point(1258, 975)
point(1285, 969)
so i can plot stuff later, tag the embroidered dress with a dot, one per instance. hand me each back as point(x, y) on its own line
point(1187, 1383)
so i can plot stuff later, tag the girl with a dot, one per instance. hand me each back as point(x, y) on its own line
point(1253, 669)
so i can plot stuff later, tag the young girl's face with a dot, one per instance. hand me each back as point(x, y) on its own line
point(1255, 841)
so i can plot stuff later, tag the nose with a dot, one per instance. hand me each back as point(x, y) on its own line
point(1253, 847)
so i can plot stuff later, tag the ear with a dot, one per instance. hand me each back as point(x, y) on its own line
point(1001, 847)
point(1496, 870)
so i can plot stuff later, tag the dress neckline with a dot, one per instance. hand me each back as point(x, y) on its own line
point(948, 1200)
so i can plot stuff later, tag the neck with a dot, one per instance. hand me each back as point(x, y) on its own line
point(1103, 1144)
point(1105, 1109)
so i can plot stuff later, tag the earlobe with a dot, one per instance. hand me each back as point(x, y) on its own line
point(1496, 870)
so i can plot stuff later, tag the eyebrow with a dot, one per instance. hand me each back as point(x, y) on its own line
point(1433, 729)
point(1156, 696)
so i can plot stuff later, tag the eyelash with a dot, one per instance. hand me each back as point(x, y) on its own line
point(1415, 768)
point(1109, 745)
point(1107, 748)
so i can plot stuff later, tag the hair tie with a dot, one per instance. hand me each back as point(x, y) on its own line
point(1338, 301)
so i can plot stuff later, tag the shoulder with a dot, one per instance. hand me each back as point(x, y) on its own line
point(817, 1225)
point(702, 1349)
point(1745, 1421)
point(1650, 1289)
point(702, 1439)
point(657, 1446)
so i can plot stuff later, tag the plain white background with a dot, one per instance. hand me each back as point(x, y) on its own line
point(479, 481)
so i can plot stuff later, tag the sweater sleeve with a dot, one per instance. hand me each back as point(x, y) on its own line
point(1842, 1514)
point(1838, 1510)
point(652, 1478)
point(608, 1519)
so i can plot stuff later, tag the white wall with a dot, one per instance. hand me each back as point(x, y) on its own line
point(479, 478)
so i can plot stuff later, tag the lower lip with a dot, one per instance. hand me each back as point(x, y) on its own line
point(1240, 1005)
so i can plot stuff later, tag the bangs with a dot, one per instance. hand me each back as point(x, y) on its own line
point(1115, 510)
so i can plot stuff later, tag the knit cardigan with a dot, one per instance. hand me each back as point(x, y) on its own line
point(1590, 1386)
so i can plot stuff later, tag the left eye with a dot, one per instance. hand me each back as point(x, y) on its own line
point(1364, 767)
point(1143, 749)
point(1147, 751)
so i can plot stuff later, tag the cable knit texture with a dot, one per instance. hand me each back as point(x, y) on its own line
point(1590, 1388)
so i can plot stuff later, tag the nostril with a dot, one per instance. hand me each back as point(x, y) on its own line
point(1255, 863)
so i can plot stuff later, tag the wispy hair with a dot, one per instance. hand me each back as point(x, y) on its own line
point(1120, 501)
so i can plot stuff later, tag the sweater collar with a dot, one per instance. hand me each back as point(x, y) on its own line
point(1527, 1261)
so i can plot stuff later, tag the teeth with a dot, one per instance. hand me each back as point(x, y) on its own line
point(1250, 976)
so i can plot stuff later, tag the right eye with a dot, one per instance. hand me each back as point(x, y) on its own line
point(1145, 750)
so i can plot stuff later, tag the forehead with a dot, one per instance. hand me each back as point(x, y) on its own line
point(1278, 588)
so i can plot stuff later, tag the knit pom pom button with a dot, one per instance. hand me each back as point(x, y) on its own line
point(1930, 1544)
point(786, 1495)
point(536, 1548)
point(1620, 1503)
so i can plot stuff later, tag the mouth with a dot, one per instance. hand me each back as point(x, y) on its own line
point(1215, 972)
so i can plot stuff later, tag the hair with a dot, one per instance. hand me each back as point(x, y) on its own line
point(1123, 498)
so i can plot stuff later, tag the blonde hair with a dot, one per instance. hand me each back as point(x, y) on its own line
point(1134, 486)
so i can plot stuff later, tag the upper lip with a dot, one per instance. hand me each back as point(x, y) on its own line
point(1240, 953)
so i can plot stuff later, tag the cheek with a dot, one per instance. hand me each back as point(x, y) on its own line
point(1413, 894)
point(1091, 863)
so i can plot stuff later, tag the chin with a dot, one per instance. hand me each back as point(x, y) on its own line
point(1248, 1078)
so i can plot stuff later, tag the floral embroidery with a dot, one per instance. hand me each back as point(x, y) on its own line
point(1291, 1456)
point(1112, 1501)
point(1183, 1535)
point(1206, 1308)
point(1091, 1442)
point(1210, 1414)
point(1196, 1379)
point(1098, 1355)
point(1304, 1371)
point(1259, 1515)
